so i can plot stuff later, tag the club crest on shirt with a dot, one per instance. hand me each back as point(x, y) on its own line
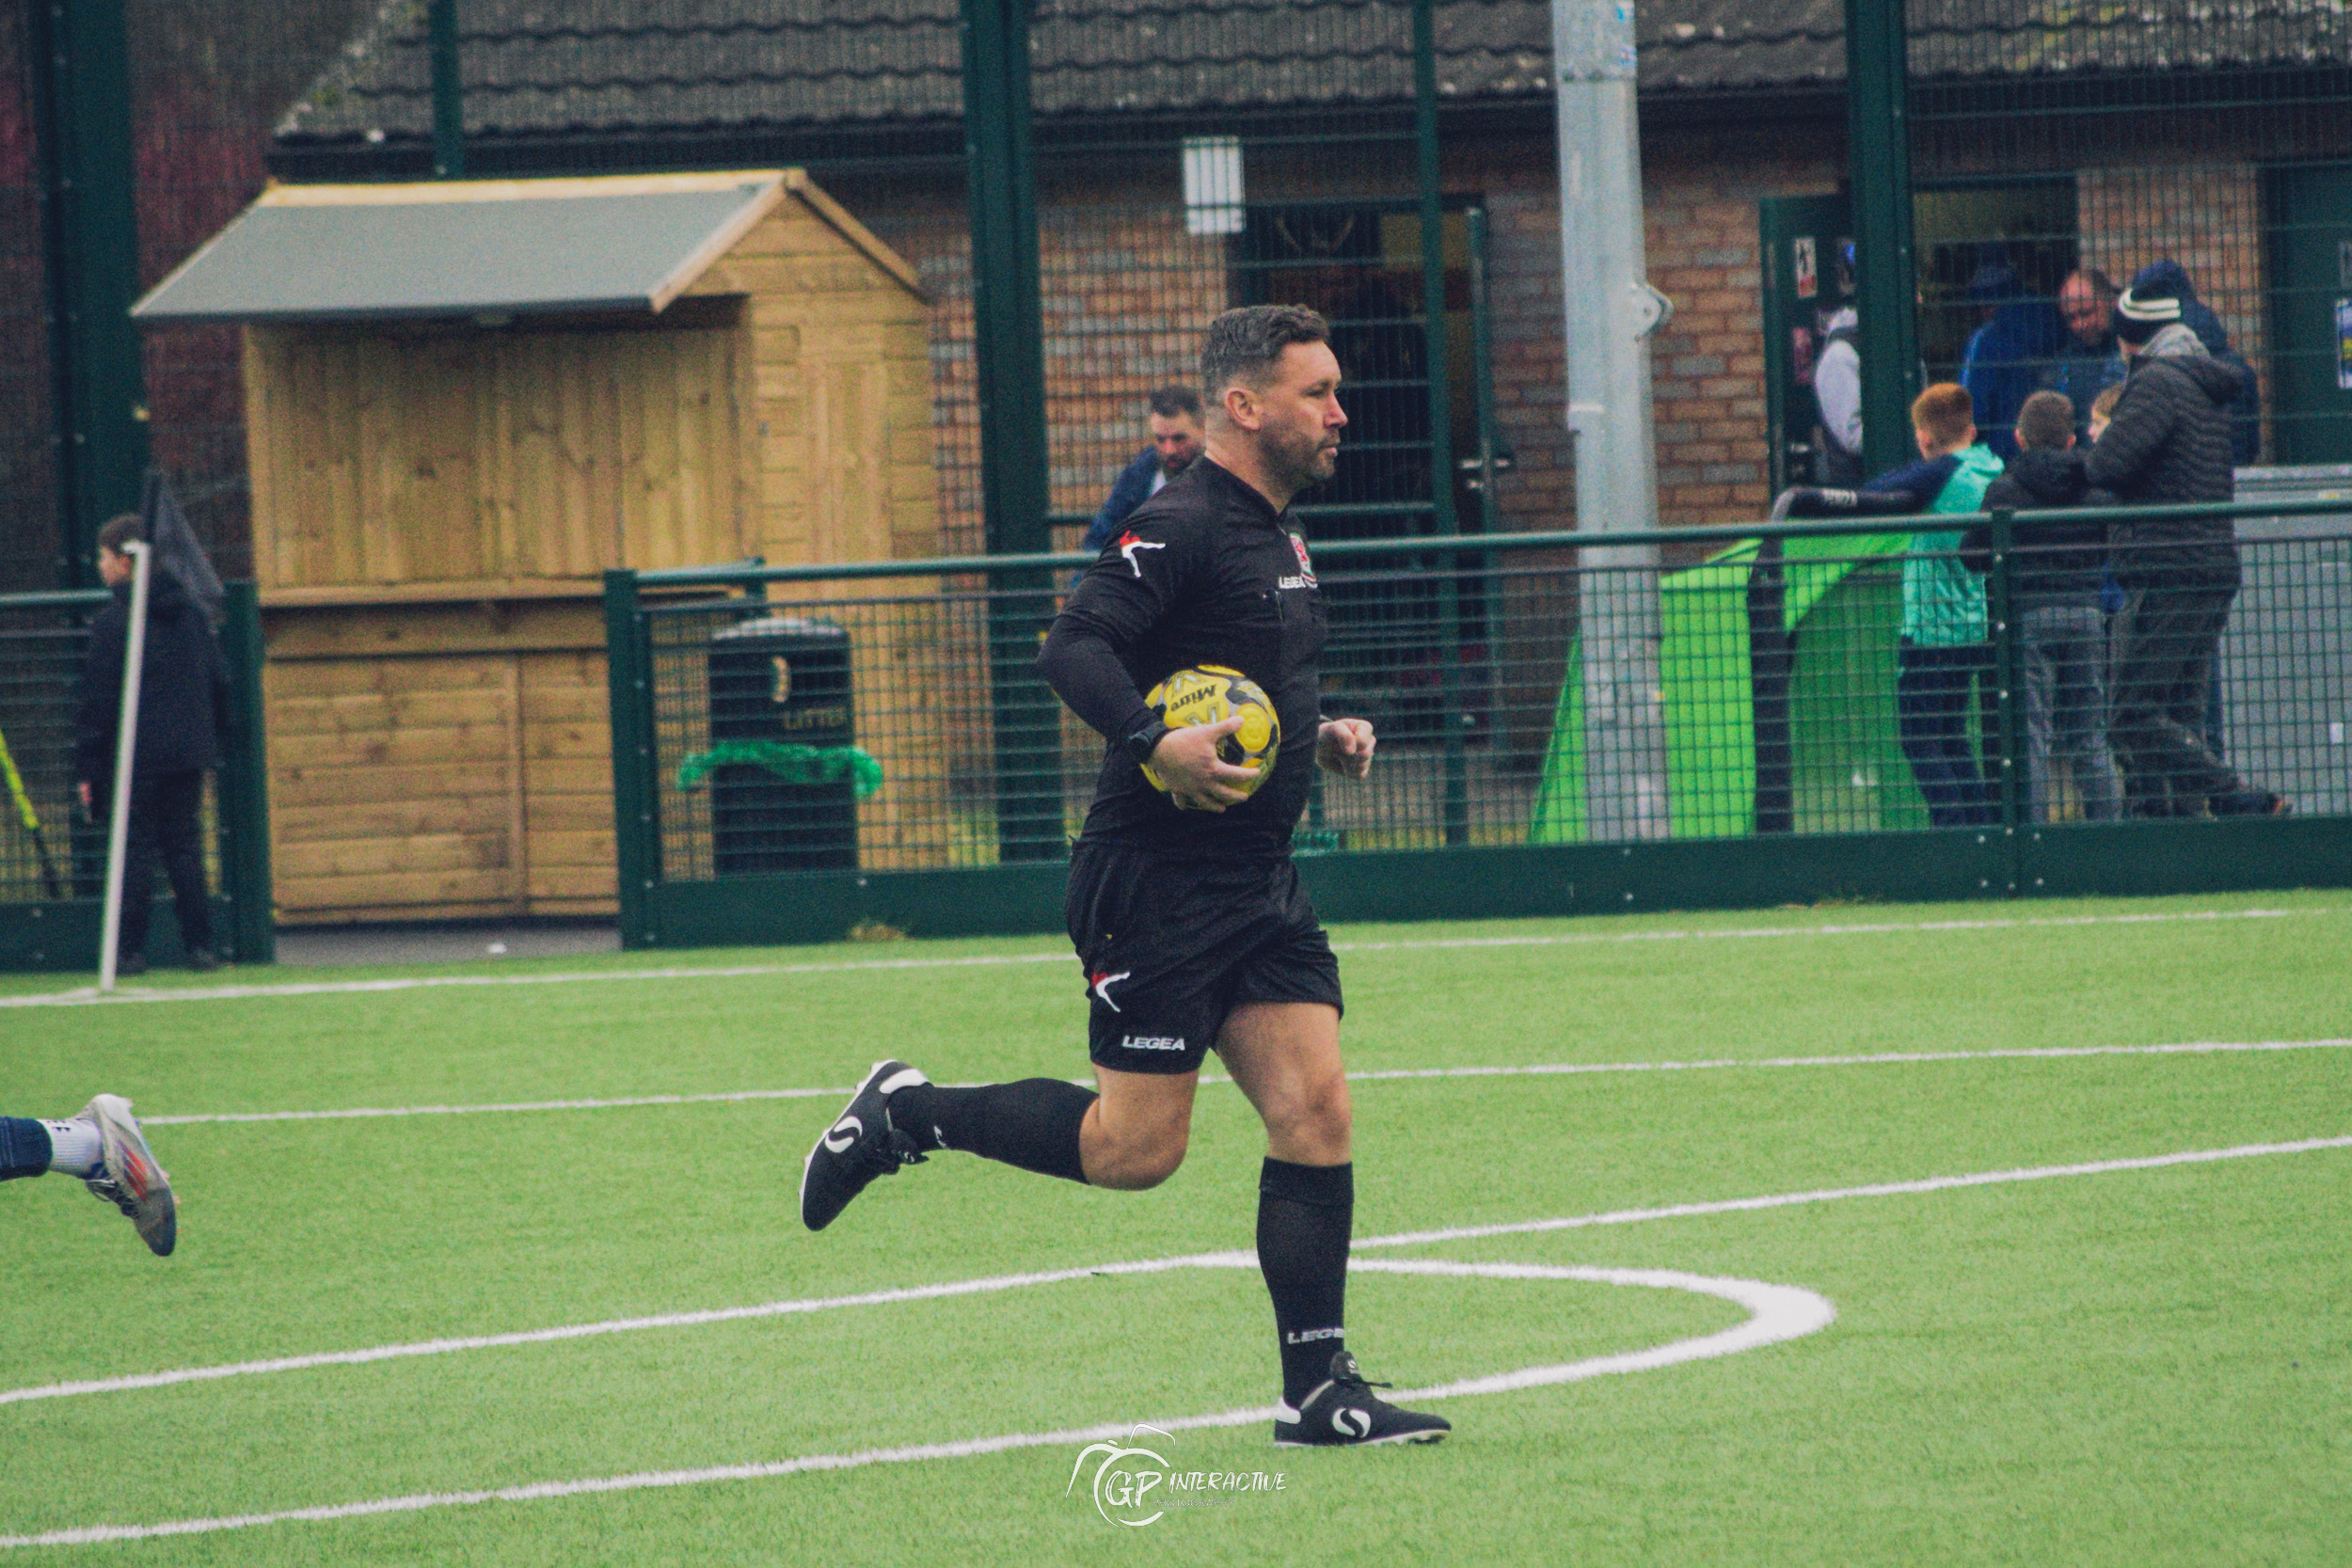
point(1306, 578)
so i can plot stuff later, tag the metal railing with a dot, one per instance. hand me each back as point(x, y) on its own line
point(1794, 704)
point(53, 852)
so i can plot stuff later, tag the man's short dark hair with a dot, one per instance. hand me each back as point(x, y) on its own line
point(1170, 401)
point(1244, 345)
point(118, 531)
point(2046, 420)
point(2099, 281)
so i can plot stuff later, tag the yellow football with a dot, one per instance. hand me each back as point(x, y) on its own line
point(1211, 692)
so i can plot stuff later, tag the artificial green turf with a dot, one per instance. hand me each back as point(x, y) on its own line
point(2141, 1367)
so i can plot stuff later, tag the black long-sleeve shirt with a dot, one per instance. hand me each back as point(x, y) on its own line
point(184, 688)
point(1204, 573)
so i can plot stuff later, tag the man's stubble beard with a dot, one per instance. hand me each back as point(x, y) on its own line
point(1300, 465)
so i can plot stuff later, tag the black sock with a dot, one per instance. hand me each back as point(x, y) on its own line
point(1305, 1213)
point(24, 1147)
point(1033, 1123)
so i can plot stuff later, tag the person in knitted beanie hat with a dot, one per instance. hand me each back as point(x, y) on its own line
point(2150, 304)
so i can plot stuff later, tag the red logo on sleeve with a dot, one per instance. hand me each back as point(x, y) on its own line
point(1129, 544)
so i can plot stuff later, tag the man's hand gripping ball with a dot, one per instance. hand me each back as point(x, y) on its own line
point(1223, 741)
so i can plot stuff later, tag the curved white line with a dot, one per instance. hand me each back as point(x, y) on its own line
point(87, 996)
point(1207, 1260)
point(1882, 1059)
point(1776, 1313)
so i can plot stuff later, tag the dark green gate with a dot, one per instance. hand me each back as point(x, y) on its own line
point(53, 859)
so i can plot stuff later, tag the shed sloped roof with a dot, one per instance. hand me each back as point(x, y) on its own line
point(459, 249)
point(616, 67)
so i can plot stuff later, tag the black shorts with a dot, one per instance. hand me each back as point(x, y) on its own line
point(1172, 946)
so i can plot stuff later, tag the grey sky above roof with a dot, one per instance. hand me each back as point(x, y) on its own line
point(558, 66)
point(381, 259)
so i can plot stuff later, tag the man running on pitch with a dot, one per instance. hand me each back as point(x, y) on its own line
point(1184, 907)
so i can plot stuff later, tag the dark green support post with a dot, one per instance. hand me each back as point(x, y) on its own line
point(1008, 351)
point(1435, 352)
point(1878, 134)
point(81, 112)
point(2001, 624)
point(636, 848)
point(245, 788)
point(449, 92)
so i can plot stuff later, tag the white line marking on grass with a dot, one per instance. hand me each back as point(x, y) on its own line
point(88, 997)
point(616, 1326)
point(1776, 1313)
point(366, 1111)
point(1197, 1260)
point(1881, 1058)
point(1884, 1058)
point(1880, 1189)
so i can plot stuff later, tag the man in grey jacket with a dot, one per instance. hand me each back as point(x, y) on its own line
point(2169, 443)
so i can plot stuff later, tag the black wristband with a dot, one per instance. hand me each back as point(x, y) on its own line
point(1146, 740)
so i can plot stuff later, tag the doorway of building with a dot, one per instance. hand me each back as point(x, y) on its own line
point(2310, 264)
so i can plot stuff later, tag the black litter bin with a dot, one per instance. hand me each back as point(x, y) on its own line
point(780, 679)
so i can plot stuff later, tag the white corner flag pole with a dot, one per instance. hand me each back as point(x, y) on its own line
point(126, 739)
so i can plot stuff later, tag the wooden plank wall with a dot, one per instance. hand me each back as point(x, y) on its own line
point(399, 457)
point(449, 761)
point(453, 759)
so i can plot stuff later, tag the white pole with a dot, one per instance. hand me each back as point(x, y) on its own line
point(126, 740)
point(1612, 311)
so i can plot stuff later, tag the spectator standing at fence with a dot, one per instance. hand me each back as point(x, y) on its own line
point(1176, 441)
point(2089, 362)
point(1942, 656)
point(2169, 443)
point(1838, 392)
point(2246, 412)
point(2005, 359)
point(184, 710)
point(2054, 577)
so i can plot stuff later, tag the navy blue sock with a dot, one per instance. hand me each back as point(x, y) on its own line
point(1032, 1123)
point(1305, 1216)
point(24, 1147)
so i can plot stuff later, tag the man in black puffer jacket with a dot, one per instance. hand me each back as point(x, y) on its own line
point(2169, 443)
point(183, 710)
point(2054, 600)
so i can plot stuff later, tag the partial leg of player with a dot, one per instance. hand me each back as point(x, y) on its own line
point(898, 1115)
point(1285, 1056)
point(102, 1145)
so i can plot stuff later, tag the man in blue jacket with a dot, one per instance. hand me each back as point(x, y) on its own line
point(2005, 358)
point(1176, 439)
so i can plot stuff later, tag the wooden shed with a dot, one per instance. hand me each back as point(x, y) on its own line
point(465, 401)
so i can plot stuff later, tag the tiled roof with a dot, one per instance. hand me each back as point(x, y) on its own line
point(638, 67)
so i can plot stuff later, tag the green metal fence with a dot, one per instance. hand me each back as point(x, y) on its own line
point(53, 854)
point(798, 752)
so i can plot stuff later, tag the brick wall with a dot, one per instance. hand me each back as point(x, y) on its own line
point(1127, 296)
point(1128, 292)
point(2206, 216)
point(1707, 366)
